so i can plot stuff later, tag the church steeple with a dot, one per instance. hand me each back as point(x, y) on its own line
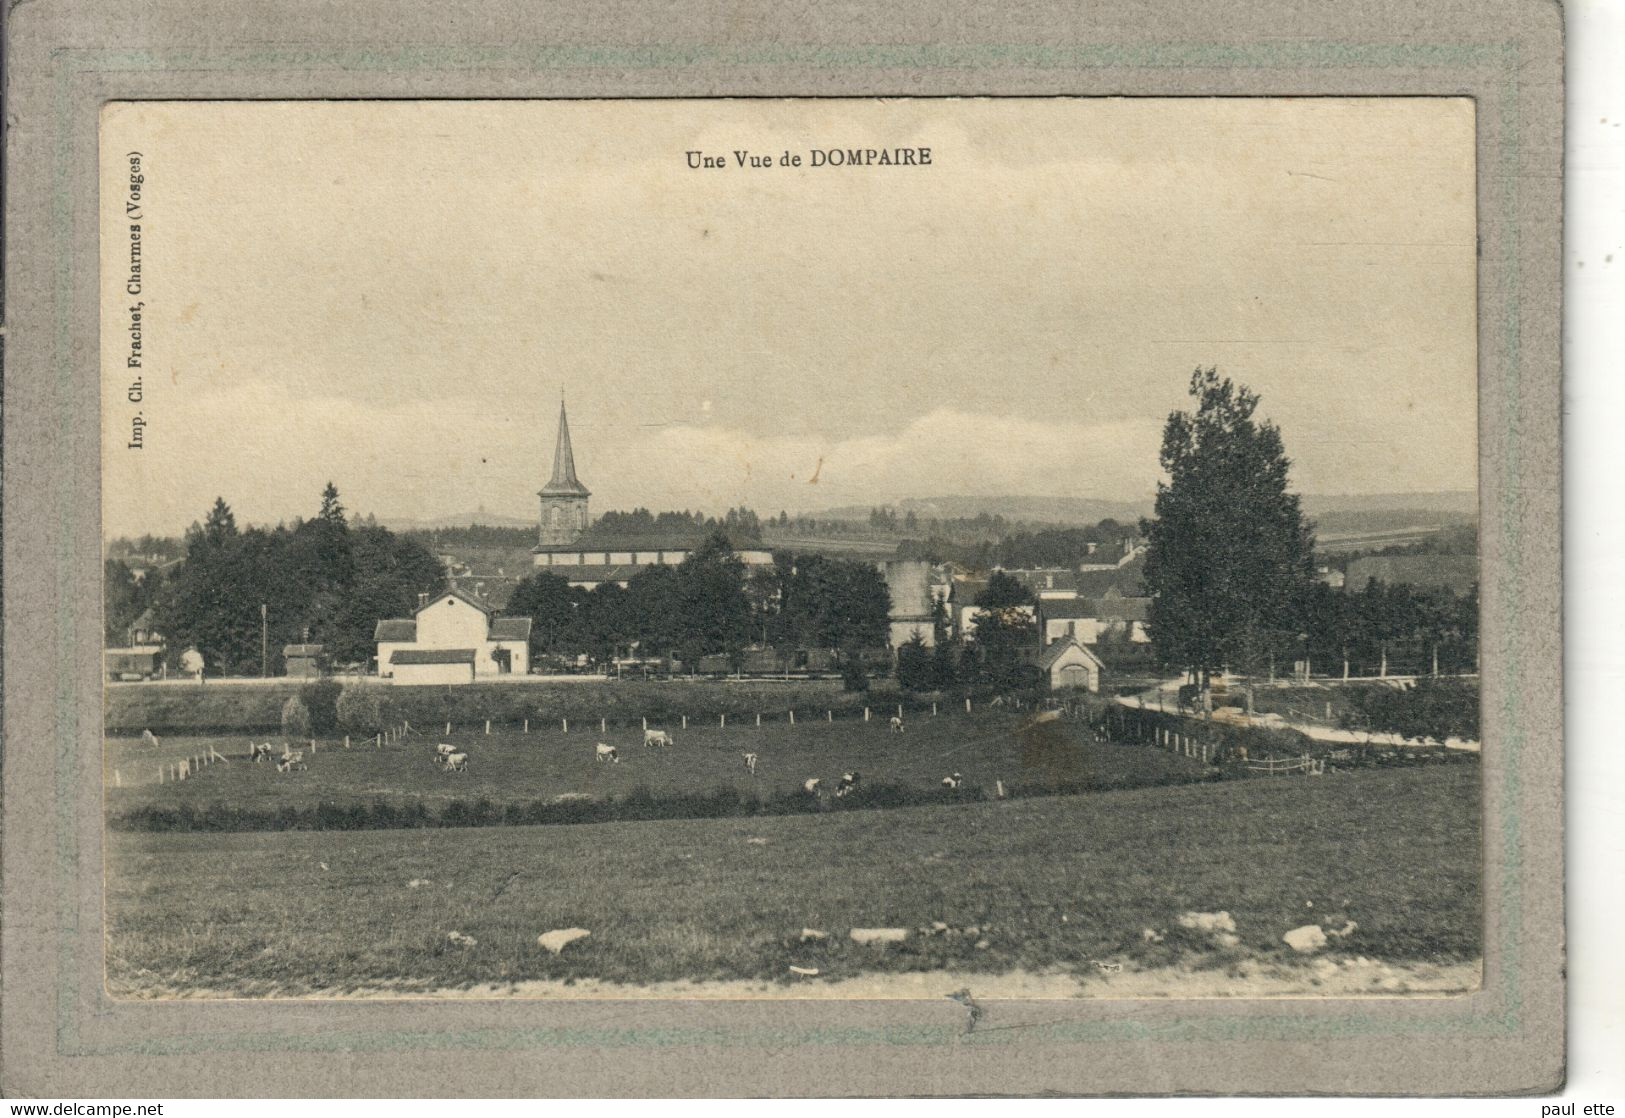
point(564, 498)
point(564, 481)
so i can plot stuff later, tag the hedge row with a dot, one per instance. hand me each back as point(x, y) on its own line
point(231, 708)
point(639, 805)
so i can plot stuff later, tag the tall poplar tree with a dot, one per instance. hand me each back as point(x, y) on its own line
point(1229, 555)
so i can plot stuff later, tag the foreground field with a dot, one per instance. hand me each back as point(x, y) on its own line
point(1039, 886)
point(514, 768)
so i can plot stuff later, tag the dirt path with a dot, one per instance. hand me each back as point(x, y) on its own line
point(1251, 978)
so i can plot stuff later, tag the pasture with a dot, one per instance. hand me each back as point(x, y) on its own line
point(1041, 885)
point(507, 767)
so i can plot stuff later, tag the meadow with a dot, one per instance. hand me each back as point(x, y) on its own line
point(509, 767)
point(1041, 884)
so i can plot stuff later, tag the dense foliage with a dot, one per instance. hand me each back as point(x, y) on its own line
point(320, 581)
point(1229, 555)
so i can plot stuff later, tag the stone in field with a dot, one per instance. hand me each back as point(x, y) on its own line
point(560, 938)
point(879, 935)
point(1306, 939)
point(1209, 922)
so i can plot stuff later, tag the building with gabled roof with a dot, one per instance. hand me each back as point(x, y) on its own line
point(1087, 620)
point(1067, 664)
point(455, 622)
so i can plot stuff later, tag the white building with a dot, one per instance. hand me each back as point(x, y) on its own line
point(454, 638)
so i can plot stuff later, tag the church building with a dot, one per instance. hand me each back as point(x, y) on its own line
point(565, 547)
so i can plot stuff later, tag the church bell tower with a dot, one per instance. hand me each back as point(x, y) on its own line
point(564, 498)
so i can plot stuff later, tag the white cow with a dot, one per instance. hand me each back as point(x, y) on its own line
point(456, 762)
point(848, 782)
point(608, 753)
point(652, 738)
point(750, 763)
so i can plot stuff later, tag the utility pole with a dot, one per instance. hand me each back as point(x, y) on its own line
point(264, 661)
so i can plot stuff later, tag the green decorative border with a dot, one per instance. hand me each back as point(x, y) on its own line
point(70, 770)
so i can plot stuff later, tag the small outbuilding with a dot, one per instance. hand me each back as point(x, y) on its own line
point(432, 665)
point(302, 661)
point(1068, 665)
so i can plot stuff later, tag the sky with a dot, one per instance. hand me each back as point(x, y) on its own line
point(394, 295)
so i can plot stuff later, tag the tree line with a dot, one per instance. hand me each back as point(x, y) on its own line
point(322, 581)
point(711, 603)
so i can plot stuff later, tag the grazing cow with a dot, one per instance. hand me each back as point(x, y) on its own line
point(149, 739)
point(652, 738)
point(811, 786)
point(750, 763)
point(952, 782)
point(848, 782)
point(897, 723)
point(608, 753)
point(456, 763)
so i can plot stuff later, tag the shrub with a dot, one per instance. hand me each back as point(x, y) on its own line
point(295, 718)
point(321, 701)
point(359, 710)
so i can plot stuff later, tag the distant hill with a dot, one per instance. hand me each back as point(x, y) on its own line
point(1033, 510)
point(1455, 503)
point(456, 520)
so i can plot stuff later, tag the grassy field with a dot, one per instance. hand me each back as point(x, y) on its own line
point(1044, 883)
point(514, 768)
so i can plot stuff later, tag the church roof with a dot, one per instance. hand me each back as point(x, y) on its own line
point(564, 482)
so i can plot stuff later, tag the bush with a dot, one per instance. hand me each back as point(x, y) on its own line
point(321, 701)
point(295, 718)
point(359, 710)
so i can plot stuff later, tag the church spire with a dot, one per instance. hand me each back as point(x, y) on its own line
point(564, 481)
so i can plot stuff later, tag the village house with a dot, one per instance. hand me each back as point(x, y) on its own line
point(1087, 620)
point(453, 638)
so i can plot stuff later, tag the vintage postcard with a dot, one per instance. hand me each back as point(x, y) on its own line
point(791, 549)
point(937, 550)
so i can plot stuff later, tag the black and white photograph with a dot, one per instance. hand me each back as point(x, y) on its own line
point(836, 548)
